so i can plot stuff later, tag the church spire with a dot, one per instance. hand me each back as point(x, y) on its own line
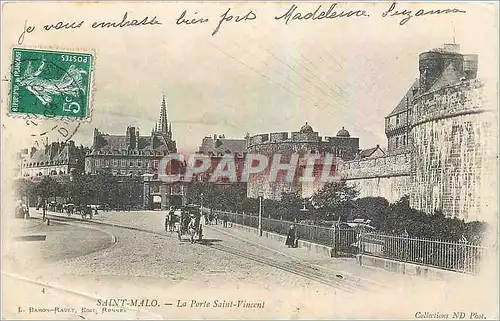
point(163, 121)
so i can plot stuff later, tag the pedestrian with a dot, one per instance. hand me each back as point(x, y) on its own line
point(290, 238)
point(296, 244)
point(211, 217)
point(224, 220)
point(168, 219)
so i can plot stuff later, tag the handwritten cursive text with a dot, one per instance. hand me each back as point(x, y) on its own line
point(317, 15)
point(408, 14)
point(27, 29)
point(127, 23)
point(63, 25)
point(226, 17)
point(182, 20)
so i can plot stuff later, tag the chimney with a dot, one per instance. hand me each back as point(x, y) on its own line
point(137, 138)
point(452, 47)
point(470, 66)
point(71, 146)
point(54, 148)
point(96, 139)
point(129, 137)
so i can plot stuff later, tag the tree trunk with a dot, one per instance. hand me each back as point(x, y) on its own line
point(44, 206)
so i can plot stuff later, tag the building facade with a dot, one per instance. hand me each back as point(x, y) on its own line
point(56, 158)
point(131, 154)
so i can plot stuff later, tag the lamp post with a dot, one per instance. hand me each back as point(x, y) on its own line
point(201, 203)
point(147, 178)
point(260, 214)
point(303, 209)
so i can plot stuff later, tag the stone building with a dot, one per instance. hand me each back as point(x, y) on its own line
point(56, 158)
point(305, 141)
point(218, 148)
point(218, 145)
point(131, 154)
point(441, 142)
point(397, 123)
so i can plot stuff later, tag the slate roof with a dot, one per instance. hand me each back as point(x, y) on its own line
point(408, 97)
point(52, 155)
point(115, 144)
point(368, 152)
point(449, 76)
point(223, 145)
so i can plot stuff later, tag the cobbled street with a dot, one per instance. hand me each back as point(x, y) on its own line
point(138, 259)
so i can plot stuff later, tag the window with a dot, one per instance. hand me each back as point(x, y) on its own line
point(397, 119)
point(397, 142)
point(122, 172)
point(97, 162)
point(155, 163)
point(131, 163)
point(124, 162)
point(115, 163)
point(106, 162)
point(115, 172)
point(139, 163)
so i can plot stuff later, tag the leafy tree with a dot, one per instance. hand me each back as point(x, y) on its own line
point(371, 208)
point(46, 188)
point(335, 199)
point(288, 208)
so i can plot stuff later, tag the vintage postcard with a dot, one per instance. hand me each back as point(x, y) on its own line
point(249, 160)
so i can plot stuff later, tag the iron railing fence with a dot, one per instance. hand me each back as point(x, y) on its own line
point(456, 256)
point(340, 239)
point(459, 256)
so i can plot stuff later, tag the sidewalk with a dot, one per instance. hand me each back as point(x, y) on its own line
point(347, 267)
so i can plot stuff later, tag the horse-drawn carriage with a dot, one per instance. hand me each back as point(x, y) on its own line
point(185, 221)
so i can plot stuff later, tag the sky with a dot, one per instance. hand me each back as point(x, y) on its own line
point(253, 76)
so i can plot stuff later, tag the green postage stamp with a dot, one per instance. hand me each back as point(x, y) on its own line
point(51, 83)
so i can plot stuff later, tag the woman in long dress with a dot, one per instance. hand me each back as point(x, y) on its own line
point(290, 238)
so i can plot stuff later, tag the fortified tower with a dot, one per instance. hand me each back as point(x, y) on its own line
point(303, 142)
point(453, 137)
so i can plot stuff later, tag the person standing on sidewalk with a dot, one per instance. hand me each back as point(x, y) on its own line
point(290, 238)
point(224, 220)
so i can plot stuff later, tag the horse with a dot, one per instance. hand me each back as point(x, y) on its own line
point(169, 221)
point(194, 228)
